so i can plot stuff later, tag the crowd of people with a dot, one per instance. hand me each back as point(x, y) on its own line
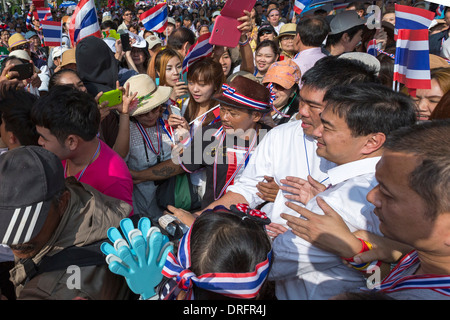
point(291, 165)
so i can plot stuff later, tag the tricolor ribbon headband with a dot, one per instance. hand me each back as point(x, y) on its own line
point(235, 285)
point(272, 99)
point(231, 93)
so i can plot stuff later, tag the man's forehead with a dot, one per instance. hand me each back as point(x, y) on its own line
point(312, 92)
point(396, 166)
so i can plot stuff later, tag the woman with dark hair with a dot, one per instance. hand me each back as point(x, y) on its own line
point(224, 254)
point(442, 110)
point(165, 69)
point(205, 78)
point(222, 244)
point(139, 57)
point(266, 53)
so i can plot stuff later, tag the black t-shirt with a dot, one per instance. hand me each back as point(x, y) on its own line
point(220, 155)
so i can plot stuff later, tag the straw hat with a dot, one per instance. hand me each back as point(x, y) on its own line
point(16, 40)
point(148, 94)
point(287, 29)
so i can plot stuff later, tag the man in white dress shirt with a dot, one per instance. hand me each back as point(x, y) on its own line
point(355, 123)
point(289, 149)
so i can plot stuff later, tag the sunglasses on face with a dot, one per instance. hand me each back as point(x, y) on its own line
point(23, 46)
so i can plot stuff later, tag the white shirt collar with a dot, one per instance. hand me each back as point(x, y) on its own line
point(352, 169)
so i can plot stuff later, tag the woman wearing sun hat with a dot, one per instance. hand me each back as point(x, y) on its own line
point(283, 77)
point(148, 140)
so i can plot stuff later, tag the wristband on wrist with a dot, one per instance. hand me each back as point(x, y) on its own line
point(366, 246)
point(245, 42)
point(364, 267)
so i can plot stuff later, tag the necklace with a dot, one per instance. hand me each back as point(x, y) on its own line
point(66, 167)
point(238, 168)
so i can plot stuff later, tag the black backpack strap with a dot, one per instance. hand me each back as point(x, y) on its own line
point(89, 255)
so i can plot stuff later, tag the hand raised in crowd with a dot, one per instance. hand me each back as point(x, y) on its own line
point(119, 50)
point(301, 190)
point(267, 190)
point(34, 80)
point(124, 108)
point(178, 122)
point(179, 90)
point(246, 24)
point(8, 79)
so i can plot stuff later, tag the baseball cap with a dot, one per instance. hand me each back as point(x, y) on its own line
point(365, 58)
point(68, 57)
point(30, 177)
point(286, 73)
point(153, 41)
point(171, 21)
point(345, 20)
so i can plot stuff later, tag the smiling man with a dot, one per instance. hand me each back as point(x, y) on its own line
point(411, 201)
point(355, 123)
point(290, 149)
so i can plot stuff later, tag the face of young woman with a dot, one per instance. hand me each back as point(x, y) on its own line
point(173, 70)
point(225, 61)
point(201, 91)
point(264, 58)
point(138, 56)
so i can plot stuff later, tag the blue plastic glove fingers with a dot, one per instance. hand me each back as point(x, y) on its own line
point(168, 247)
point(118, 268)
point(120, 243)
point(107, 249)
point(126, 225)
point(154, 244)
point(111, 257)
point(144, 225)
point(127, 257)
point(114, 234)
point(140, 249)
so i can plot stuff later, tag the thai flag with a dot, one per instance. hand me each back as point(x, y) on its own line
point(201, 49)
point(300, 5)
point(84, 22)
point(52, 32)
point(440, 11)
point(155, 19)
point(372, 47)
point(44, 14)
point(412, 18)
point(412, 59)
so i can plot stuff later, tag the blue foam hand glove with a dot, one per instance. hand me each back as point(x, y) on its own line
point(138, 259)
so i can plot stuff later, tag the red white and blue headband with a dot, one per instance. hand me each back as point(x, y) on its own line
point(231, 93)
point(235, 285)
